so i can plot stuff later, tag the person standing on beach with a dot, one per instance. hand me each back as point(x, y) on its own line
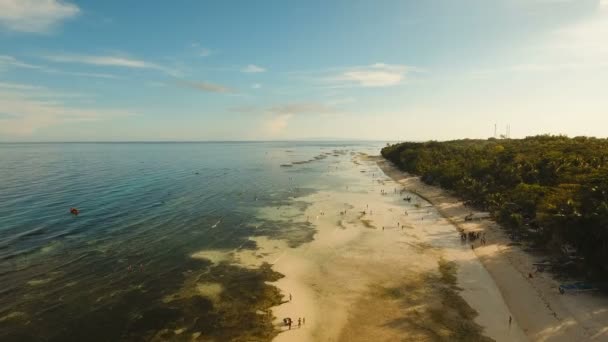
point(290, 297)
point(510, 319)
point(299, 322)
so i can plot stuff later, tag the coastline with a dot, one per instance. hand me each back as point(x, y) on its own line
point(537, 306)
point(381, 269)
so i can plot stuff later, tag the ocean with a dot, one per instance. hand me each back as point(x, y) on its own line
point(120, 269)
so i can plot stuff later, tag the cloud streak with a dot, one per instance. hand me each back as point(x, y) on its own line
point(206, 87)
point(252, 69)
point(366, 76)
point(12, 62)
point(35, 16)
point(375, 75)
point(110, 61)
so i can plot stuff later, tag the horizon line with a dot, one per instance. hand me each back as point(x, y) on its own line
point(190, 141)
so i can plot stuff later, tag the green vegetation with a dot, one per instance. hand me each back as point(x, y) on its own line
point(549, 190)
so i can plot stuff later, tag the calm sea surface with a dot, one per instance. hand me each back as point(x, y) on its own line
point(144, 209)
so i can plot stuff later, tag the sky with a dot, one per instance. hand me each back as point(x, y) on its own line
point(126, 70)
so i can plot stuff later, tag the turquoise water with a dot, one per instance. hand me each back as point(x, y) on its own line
point(144, 209)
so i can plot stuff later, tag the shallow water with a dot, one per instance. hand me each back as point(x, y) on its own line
point(145, 208)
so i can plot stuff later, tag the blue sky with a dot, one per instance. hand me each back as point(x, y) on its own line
point(265, 70)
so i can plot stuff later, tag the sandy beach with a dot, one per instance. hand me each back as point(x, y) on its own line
point(373, 270)
point(381, 268)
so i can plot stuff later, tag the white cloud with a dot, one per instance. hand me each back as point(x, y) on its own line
point(375, 75)
point(102, 60)
point(256, 86)
point(35, 16)
point(86, 74)
point(252, 68)
point(112, 61)
point(12, 62)
point(28, 108)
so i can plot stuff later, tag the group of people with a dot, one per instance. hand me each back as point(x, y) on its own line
point(287, 321)
point(472, 237)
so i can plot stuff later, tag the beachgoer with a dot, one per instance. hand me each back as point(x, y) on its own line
point(303, 320)
point(299, 322)
point(382, 227)
point(510, 319)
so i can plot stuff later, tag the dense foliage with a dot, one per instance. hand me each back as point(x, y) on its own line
point(551, 190)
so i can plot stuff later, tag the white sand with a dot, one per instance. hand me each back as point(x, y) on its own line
point(335, 279)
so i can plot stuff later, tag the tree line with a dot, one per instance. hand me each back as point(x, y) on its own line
point(549, 190)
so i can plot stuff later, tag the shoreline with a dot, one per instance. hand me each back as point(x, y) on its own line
point(537, 306)
point(376, 272)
